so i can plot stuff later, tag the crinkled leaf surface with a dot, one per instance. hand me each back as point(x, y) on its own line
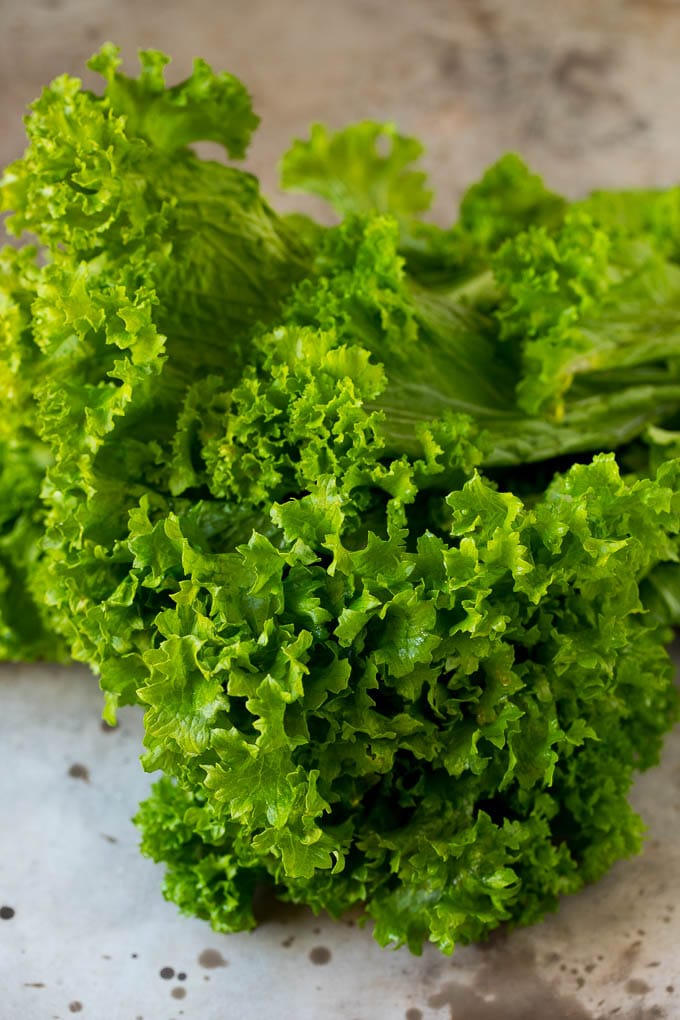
point(339, 506)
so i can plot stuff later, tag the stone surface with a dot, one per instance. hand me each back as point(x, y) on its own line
point(587, 92)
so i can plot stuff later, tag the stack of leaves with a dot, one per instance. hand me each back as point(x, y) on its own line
point(379, 521)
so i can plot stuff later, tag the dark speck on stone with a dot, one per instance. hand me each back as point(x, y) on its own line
point(166, 973)
point(320, 955)
point(211, 958)
point(288, 941)
point(181, 976)
point(133, 956)
point(414, 1014)
point(6, 913)
point(179, 992)
point(75, 1007)
point(78, 771)
point(637, 987)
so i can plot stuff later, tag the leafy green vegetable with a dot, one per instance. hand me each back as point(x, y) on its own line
point(350, 171)
point(441, 722)
point(378, 521)
point(25, 632)
point(112, 319)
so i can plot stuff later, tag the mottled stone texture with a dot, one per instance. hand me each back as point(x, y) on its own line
point(586, 90)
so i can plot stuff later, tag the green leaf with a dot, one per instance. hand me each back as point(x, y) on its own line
point(204, 107)
point(365, 168)
point(378, 521)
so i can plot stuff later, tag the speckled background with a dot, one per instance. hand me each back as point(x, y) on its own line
point(587, 90)
point(588, 93)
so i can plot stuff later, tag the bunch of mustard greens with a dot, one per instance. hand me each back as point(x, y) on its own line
point(378, 521)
